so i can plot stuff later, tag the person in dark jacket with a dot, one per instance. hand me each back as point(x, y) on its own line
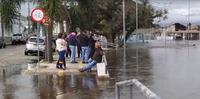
point(78, 45)
point(68, 52)
point(72, 41)
point(84, 43)
point(96, 58)
point(91, 45)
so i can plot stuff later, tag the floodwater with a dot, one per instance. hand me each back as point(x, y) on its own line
point(170, 69)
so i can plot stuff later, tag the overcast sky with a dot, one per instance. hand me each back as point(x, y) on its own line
point(178, 10)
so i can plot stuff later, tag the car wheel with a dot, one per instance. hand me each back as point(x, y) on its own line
point(24, 42)
point(4, 45)
point(13, 42)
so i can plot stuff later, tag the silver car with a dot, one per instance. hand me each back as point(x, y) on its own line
point(18, 38)
point(32, 46)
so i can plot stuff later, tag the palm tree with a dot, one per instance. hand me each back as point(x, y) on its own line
point(9, 11)
point(53, 9)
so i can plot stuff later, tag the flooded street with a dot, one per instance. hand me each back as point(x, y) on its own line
point(170, 69)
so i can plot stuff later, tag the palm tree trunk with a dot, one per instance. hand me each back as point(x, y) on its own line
point(49, 43)
point(67, 26)
point(2, 31)
point(61, 26)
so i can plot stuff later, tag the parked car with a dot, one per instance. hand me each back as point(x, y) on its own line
point(2, 44)
point(32, 46)
point(18, 38)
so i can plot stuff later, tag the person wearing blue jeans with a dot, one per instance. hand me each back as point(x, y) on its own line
point(73, 53)
point(97, 58)
point(91, 63)
point(72, 41)
point(83, 41)
point(85, 53)
point(61, 59)
point(61, 48)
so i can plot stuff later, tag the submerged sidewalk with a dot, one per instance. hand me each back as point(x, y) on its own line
point(50, 68)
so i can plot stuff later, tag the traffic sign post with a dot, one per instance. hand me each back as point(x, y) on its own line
point(38, 15)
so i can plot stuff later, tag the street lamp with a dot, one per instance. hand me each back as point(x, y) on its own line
point(136, 29)
point(124, 33)
point(136, 22)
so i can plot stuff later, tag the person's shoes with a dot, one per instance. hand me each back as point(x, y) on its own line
point(84, 62)
point(64, 68)
point(89, 70)
point(58, 67)
point(81, 70)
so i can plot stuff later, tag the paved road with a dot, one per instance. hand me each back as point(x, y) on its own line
point(14, 54)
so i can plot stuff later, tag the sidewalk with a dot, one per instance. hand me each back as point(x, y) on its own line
point(50, 68)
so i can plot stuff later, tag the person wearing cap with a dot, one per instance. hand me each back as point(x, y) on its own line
point(96, 58)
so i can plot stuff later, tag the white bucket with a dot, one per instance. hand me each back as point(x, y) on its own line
point(101, 70)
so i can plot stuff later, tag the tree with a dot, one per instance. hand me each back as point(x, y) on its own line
point(106, 16)
point(53, 10)
point(9, 11)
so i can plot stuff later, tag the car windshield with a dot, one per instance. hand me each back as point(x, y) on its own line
point(17, 34)
point(35, 40)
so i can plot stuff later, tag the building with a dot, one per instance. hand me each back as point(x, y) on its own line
point(176, 27)
point(19, 26)
point(181, 32)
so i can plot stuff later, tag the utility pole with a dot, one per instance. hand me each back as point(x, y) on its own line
point(124, 24)
point(28, 16)
point(136, 20)
point(19, 24)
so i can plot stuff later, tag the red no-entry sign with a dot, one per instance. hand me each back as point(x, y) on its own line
point(37, 15)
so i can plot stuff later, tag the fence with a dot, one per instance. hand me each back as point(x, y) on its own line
point(147, 92)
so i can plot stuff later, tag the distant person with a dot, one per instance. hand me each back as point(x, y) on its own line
point(61, 48)
point(68, 52)
point(78, 44)
point(72, 40)
point(96, 58)
point(91, 45)
point(84, 43)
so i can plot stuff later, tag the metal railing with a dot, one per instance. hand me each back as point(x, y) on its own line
point(147, 92)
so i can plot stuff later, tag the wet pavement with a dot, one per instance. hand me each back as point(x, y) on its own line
point(14, 54)
point(170, 69)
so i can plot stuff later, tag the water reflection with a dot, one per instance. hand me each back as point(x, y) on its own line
point(64, 87)
point(121, 66)
point(89, 82)
point(138, 64)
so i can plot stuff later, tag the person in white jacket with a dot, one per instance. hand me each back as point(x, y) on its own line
point(61, 47)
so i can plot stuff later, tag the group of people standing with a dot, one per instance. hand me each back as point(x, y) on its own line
point(78, 44)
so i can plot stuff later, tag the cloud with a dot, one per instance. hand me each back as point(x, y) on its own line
point(178, 10)
point(185, 12)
